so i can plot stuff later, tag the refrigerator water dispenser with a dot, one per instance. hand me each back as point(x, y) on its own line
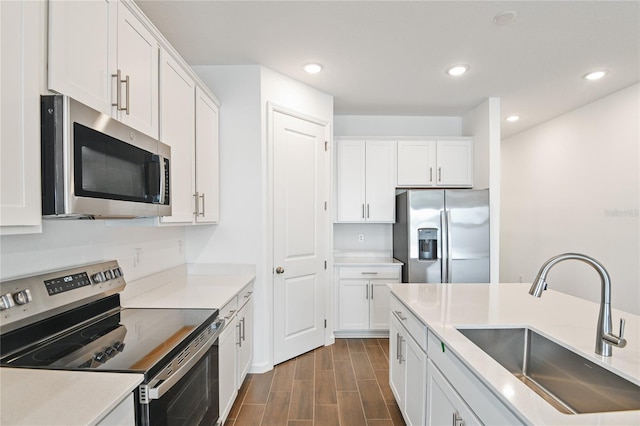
point(427, 243)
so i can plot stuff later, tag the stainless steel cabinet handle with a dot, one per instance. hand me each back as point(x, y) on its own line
point(457, 420)
point(372, 291)
point(279, 270)
point(366, 291)
point(399, 315)
point(244, 336)
point(367, 210)
point(397, 346)
point(400, 358)
point(197, 200)
point(430, 174)
point(118, 103)
point(238, 326)
point(369, 273)
point(202, 196)
point(231, 312)
point(363, 211)
point(126, 81)
point(439, 174)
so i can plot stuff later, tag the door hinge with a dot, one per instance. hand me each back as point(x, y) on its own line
point(326, 145)
point(325, 264)
point(325, 323)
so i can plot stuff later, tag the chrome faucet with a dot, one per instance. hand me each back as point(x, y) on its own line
point(604, 338)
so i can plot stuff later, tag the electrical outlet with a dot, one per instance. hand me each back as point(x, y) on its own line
point(361, 238)
point(180, 247)
point(136, 256)
point(520, 278)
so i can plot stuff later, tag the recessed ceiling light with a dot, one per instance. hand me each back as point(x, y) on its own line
point(513, 118)
point(312, 68)
point(595, 75)
point(457, 70)
point(504, 18)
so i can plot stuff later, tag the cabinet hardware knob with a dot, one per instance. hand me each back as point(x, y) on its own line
point(279, 270)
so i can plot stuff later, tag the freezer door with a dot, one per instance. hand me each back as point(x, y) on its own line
point(424, 213)
point(468, 235)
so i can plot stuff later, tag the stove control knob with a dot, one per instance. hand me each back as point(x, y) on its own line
point(6, 301)
point(119, 346)
point(23, 297)
point(100, 357)
point(108, 275)
point(97, 278)
point(110, 351)
point(117, 272)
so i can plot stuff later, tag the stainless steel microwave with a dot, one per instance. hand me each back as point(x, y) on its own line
point(93, 166)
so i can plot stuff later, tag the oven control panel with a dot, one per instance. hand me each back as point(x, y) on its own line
point(30, 299)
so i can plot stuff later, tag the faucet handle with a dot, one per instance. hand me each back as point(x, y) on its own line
point(617, 341)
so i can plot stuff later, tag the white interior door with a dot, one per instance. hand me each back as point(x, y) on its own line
point(300, 229)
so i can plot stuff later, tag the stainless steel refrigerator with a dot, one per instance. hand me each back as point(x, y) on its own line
point(442, 235)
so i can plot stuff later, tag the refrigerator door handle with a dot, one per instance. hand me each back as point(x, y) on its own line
point(449, 261)
point(444, 264)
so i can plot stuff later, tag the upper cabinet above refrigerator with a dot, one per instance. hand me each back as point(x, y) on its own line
point(435, 163)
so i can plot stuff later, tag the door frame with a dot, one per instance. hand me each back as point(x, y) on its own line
point(269, 265)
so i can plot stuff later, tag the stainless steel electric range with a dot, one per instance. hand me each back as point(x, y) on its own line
point(72, 320)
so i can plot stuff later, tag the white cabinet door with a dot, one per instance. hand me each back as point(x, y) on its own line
point(354, 305)
point(416, 383)
point(177, 129)
point(207, 166)
point(123, 415)
point(82, 50)
point(455, 163)
point(227, 366)
point(416, 163)
point(137, 61)
point(379, 305)
point(20, 45)
point(397, 364)
point(380, 181)
point(444, 405)
point(351, 175)
point(245, 340)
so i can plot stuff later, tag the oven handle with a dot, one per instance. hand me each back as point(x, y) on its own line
point(157, 391)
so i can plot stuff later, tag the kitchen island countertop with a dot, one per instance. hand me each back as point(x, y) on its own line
point(566, 319)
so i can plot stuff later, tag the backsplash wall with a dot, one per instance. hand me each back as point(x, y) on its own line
point(140, 251)
point(378, 238)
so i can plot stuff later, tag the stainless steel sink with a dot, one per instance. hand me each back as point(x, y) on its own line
point(569, 382)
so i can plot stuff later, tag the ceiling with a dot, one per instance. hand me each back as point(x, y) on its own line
point(390, 57)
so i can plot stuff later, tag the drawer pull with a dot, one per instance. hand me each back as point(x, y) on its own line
point(369, 273)
point(400, 316)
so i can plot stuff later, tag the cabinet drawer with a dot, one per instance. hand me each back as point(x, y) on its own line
point(414, 326)
point(245, 295)
point(229, 309)
point(375, 272)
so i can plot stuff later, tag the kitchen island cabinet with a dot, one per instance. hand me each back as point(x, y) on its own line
point(465, 382)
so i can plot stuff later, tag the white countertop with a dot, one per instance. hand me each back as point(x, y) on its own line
point(50, 397)
point(365, 261)
point(563, 318)
point(195, 286)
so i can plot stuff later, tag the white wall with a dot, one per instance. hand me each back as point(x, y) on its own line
point(243, 233)
point(378, 238)
point(483, 123)
point(376, 125)
point(140, 251)
point(573, 185)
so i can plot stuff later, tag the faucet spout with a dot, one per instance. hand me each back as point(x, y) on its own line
point(604, 337)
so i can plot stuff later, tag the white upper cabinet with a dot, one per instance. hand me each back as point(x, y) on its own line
point(207, 177)
point(366, 181)
point(83, 50)
point(93, 42)
point(136, 92)
point(437, 163)
point(177, 129)
point(21, 46)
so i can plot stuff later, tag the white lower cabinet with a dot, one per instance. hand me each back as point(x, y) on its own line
point(444, 405)
point(363, 297)
point(408, 364)
point(123, 415)
point(235, 348)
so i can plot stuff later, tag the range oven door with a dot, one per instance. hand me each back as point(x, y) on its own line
point(190, 396)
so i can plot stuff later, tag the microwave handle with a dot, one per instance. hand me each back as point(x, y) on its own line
point(164, 166)
point(156, 392)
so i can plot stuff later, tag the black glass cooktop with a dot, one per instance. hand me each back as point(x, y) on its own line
point(133, 340)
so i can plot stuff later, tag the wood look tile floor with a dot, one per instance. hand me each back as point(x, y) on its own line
point(344, 384)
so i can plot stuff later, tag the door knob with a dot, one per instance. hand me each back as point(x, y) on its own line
point(279, 270)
